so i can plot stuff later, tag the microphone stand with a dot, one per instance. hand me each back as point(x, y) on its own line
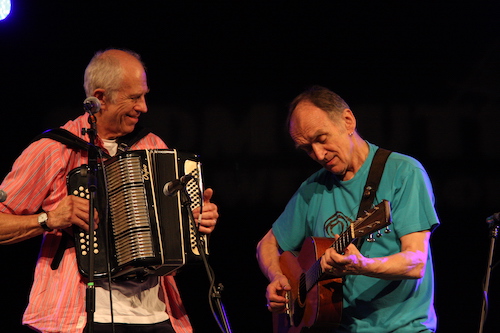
point(215, 292)
point(493, 234)
point(92, 187)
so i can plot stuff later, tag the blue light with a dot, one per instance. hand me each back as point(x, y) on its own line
point(4, 9)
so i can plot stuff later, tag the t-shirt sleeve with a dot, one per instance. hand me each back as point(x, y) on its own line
point(413, 202)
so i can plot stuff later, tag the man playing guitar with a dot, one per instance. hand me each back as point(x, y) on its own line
point(384, 285)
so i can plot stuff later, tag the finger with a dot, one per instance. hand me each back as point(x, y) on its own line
point(207, 194)
point(210, 211)
point(209, 218)
point(276, 307)
point(207, 223)
point(205, 230)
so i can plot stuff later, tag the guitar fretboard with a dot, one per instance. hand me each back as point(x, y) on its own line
point(360, 227)
point(314, 273)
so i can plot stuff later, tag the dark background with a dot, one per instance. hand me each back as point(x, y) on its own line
point(421, 77)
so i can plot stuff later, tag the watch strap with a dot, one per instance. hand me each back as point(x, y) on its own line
point(43, 222)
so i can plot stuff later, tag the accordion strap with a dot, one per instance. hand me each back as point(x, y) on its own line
point(64, 243)
point(76, 143)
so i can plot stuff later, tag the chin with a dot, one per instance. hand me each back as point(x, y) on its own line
point(127, 130)
point(336, 171)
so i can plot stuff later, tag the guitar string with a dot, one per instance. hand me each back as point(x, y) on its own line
point(314, 273)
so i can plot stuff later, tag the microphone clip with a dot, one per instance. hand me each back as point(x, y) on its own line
point(174, 186)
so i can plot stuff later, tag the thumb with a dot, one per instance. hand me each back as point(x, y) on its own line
point(207, 195)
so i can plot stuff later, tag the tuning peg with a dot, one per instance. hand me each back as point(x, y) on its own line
point(370, 238)
point(387, 230)
point(379, 234)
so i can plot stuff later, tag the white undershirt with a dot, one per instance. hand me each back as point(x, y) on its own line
point(132, 302)
point(111, 146)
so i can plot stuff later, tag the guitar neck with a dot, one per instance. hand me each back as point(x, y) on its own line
point(375, 219)
point(344, 239)
point(315, 272)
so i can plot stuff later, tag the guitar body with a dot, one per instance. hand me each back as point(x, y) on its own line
point(315, 300)
point(317, 310)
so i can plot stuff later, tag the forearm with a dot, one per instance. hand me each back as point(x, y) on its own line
point(408, 264)
point(268, 256)
point(402, 265)
point(16, 228)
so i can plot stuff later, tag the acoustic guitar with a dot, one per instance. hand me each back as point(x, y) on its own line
point(315, 300)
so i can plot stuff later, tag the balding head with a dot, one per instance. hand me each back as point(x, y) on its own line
point(106, 70)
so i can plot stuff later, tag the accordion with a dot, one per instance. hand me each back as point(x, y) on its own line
point(142, 231)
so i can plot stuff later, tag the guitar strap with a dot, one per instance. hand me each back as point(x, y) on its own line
point(372, 183)
point(76, 143)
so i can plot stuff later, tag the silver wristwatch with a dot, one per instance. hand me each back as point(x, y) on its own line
point(42, 220)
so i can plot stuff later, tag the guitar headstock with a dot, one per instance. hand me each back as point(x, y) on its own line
point(376, 218)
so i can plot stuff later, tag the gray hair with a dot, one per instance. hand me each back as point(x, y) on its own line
point(323, 98)
point(104, 71)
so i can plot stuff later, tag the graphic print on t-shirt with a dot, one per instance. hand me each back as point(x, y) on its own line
point(337, 219)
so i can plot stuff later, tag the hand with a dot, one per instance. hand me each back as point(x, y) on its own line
point(72, 210)
point(338, 264)
point(209, 214)
point(275, 294)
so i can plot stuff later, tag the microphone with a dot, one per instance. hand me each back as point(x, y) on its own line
point(493, 219)
point(91, 105)
point(3, 195)
point(174, 186)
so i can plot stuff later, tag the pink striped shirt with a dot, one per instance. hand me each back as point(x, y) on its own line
point(37, 182)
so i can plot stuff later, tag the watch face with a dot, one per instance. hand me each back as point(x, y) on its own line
point(42, 220)
point(43, 217)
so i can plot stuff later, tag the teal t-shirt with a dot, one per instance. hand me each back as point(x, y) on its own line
point(324, 206)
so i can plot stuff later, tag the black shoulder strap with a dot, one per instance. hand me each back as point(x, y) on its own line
point(373, 180)
point(65, 137)
point(126, 141)
point(371, 186)
point(74, 142)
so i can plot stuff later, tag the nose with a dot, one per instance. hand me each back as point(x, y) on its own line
point(318, 152)
point(140, 105)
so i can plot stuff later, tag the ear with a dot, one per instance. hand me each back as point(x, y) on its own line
point(99, 94)
point(349, 120)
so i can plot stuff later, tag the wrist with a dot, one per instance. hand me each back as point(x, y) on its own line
point(272, 275)
point(43, 219)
